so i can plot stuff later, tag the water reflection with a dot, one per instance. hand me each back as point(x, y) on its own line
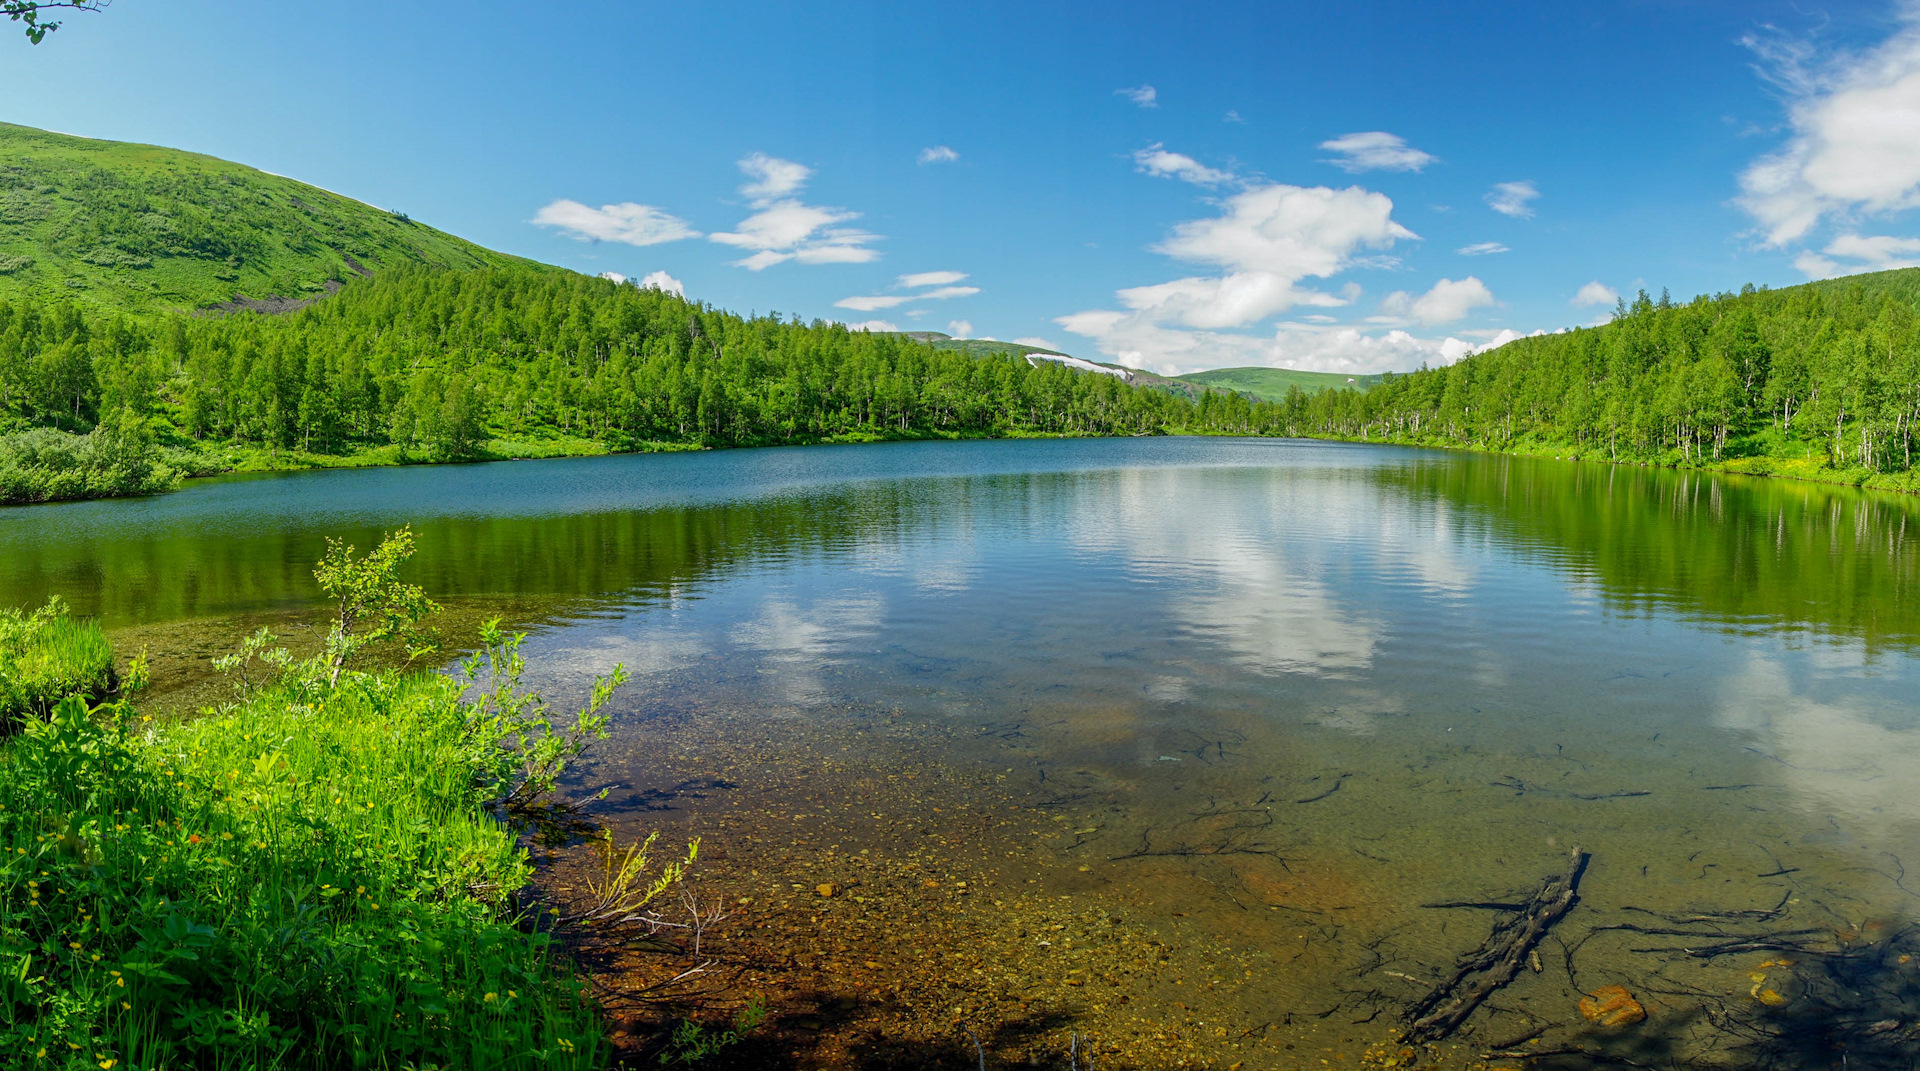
point(1295, 690)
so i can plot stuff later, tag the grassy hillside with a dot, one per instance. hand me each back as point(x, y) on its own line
point(141, 228)
point(972, 347)
point(1272, 384)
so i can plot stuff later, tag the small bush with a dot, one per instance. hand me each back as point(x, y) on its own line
point(45, 655)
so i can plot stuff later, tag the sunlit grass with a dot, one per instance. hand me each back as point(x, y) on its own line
point(306, 878)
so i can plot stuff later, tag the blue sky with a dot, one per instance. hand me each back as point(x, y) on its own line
point(1353, 187)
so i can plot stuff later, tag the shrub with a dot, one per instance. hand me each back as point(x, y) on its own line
point(45, 655)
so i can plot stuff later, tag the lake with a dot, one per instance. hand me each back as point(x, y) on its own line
point(1173, 742)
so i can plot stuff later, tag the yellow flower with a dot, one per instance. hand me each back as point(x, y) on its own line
point(491, 997)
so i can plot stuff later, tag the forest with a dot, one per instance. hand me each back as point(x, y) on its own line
point(1818, 381)
point(421, 364)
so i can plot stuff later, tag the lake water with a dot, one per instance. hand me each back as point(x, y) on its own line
point(1201, 725)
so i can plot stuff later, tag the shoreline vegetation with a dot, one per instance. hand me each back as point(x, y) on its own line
point(1818, 382)
point(324, 871)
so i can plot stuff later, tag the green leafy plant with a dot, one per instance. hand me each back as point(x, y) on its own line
point(530, 750)
point(371, 602)
point(692, 1043)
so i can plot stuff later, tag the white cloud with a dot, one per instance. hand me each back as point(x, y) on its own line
point(931, 278)
point(634, 224)
point(615, 276)
point(1143, 344)
point(1032, 340)
point(1264, 241)
point(784, 228)
point(1233, 117)
point(659, 280)
point(1481, 249)
point(1156, 161)
point(960, 329)
point(874, 325)
point(938, 154)
point(871, 302)
point(1291, 231)
point(1513, 199)
point(1376, 150)
point(1447, 301)
point(773, 178)
point(1871, 252)
point(1855, 147)
point(1595, 293)
point(1143, 95)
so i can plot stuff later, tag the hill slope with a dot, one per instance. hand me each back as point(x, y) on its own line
point(1272, 384)
point(140, 227)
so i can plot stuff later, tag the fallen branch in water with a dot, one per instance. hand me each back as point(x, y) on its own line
point(1498, 958)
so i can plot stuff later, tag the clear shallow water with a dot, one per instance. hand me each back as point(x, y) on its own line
point(1264, 698)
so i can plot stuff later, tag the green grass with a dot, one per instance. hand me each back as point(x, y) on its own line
point(140, 228)
point(1272, 384)
point(45, 655)
point(309, 878)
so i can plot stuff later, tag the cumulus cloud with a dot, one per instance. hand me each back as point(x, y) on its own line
point(931, 278)
point(1032, 340)
point(1157, 161)
point(1264, 242)
point(960, 329)
point(615, 276)
point(874, 325)
point(659, 280)
point(1233, 117)
point(1595, 293)
point(1869, 252)
point(1375, 150)
point(634, 224)
point(1143, 95)
point(1855, 143)
point(1312, 347)
point(938, 154)
point(786, 229)
point(1449, 300)
point(1513, 199)
point(1481, 249)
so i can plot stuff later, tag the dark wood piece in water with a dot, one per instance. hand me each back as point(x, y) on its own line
point(1500, 957)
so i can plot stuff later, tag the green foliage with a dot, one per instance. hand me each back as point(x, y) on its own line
point(692, 1043)
point(306, 879)
point(528, 751)
point(142, 228)
point(117, 458)
point(371, 603)
point(1820, 380)
point(30, 12)
point(1272, 384)
point(46, 655)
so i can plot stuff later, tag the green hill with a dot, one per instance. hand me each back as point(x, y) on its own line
point(973, 347)
point(1272, 384)
point(140, 227)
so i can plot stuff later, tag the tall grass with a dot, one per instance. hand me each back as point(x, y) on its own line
point(45, 655)
point(307, 878)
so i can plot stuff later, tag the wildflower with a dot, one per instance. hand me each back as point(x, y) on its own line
point(491, 997)
point(124, 1006)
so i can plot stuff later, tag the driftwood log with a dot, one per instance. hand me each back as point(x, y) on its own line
point(1500, 957)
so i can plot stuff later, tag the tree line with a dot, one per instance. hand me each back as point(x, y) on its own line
point(437, 364)
point(1823, 376)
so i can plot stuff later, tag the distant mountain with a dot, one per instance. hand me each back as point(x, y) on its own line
point(140, 227)
point(1272, 384)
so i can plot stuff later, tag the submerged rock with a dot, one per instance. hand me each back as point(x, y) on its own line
point(1611, 1005)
